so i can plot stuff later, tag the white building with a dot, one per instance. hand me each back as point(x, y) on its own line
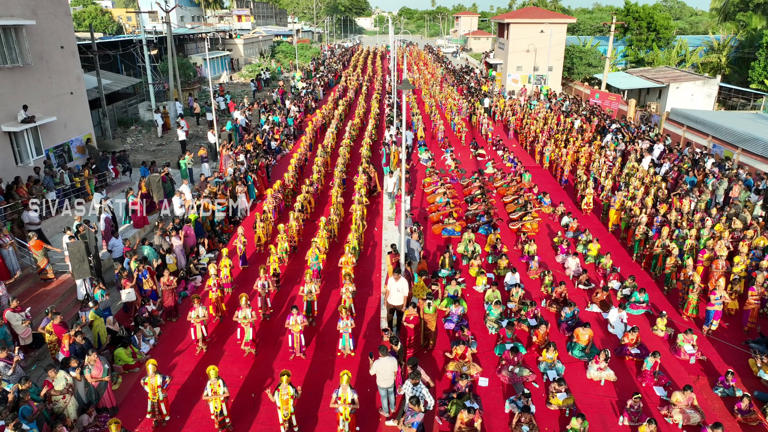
point(40, 67)
point(660, 89)
point(187, 13)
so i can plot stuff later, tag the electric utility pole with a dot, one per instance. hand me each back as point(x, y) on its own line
point(608, 54)
point(150, 80)
point(107, 128)
point(169, 59)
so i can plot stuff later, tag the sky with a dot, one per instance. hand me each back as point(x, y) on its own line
point(391, 5)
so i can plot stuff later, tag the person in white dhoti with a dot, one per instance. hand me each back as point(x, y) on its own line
point(617, 321)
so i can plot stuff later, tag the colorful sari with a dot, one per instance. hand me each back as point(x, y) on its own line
point(44, 268)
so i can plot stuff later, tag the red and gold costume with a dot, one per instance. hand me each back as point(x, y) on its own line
point(225, 271)
point(156, 386)
point(285, 396)
point(215, 296)
point(216, 394)
point(198, 318)
point(245, 316)
point(344, 400)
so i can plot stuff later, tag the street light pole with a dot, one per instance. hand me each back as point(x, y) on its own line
point(403, 159)
point(210, 91)
point(169, 61)
point(150, 80)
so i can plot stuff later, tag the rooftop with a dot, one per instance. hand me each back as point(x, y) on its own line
point(740, 128)
point(466, 13)
point(625, 81)
point(667, 74)
point(479, 33)
point(111, 81)
point(534, 14)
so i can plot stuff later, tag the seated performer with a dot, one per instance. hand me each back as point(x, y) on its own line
point(633, 411)
point(582, 346)
point(631, 347)
point(686, 347)
point(725, 386)
point(549, 365)
point(683, 409)
point(650, 374)
point(598, 370)
point(559, 396)
point(638, 303)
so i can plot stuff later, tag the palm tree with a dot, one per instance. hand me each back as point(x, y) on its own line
point(210, 4)
point(718, 54)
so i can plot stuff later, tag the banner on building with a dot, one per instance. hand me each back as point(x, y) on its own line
point(74, 150)
point(609, 101)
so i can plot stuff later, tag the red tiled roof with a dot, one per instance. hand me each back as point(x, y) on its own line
point(466, 13)
point(532, 13)
point(479, 33)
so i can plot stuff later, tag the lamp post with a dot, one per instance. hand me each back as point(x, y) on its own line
point(405, 86)
point(210, 91)
point(533, 69)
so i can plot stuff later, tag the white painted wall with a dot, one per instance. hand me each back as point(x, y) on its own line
point(52, 85)
point(700, 94)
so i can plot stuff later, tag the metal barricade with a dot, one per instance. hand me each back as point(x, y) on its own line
point(26, 259)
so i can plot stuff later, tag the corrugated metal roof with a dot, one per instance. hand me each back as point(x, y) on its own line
point(743, 129)
point(112, 82)
point(667, 74)
point(625, 81)
point(749, 90)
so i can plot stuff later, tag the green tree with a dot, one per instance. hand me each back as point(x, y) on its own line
point(590, 20)
point(678, 55)
point(687, 20)
point(89, 13)
point(187, 71)
point(646, 27)
point(581, 62)
point(746, 14)
point(553, 5)
point(127, 4)
point(348, 8)
point(758, 71)
point(718, 54)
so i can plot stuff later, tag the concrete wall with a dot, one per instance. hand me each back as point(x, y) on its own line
point(480, 44)
point(180, 17)
point(52, 85)
point(700, 94)
point(248, 47)
point(464, 24)
point(525, 44)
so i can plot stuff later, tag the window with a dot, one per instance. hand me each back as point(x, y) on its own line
point(27, 145)
point(535, 68)
point(181, 18)
point(519, 69)
point(550, 68)
point(13, 46)
point(129, 18)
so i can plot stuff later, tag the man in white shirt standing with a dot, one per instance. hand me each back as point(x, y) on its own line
point(186, 190)
point(158, 118)
point(396, 294)
point(178, 203)
point(182, 138)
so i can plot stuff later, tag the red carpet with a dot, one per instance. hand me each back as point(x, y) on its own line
point(601, 404)
point(248, 377)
